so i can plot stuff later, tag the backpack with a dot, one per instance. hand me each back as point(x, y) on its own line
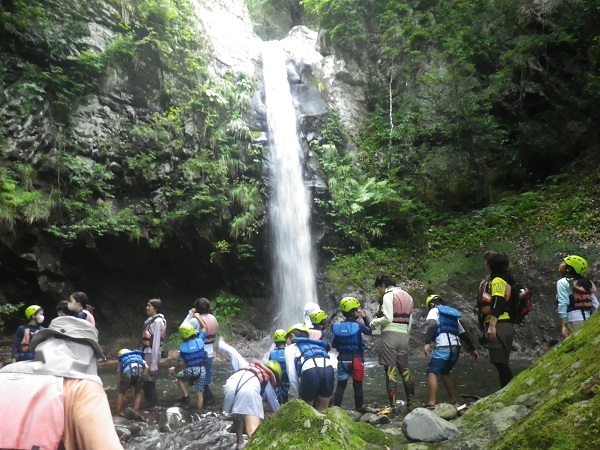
point(520, 303)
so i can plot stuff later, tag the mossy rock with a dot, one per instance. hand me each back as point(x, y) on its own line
point(297, 425)
point(561, 393)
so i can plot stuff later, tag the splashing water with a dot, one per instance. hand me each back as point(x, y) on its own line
point(293, 261)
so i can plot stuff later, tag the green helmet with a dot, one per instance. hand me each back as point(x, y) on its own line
point(317, 317)
point(186, 330)
point(31, 310)
point(432, 298)
point(347, 304)
point(123, 351)
point(578, 264)
point(298, 327)
point(275, 368)
point(280, 335)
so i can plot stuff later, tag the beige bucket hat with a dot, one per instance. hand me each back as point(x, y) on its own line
point(70, 328)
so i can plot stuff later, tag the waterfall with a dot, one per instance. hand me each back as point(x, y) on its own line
point(289, 210)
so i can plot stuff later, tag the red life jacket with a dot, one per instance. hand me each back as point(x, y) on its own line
point(403, 306)
point(36, 416)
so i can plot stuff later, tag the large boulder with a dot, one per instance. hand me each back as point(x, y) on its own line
point(297, 425)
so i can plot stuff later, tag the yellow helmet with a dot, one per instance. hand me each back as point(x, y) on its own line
point(275, 368)
point(123, 351)
point(578, 264)
point(298, 327)
point(432, 298)
point(347, 304)
point(31, 310)
point(186, 330)
point(280, 335)
point(317, 317)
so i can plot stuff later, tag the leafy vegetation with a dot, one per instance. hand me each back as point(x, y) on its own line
point(473, 101)
point(187, 149)
point(7, 310)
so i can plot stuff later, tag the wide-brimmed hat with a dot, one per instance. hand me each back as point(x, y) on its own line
point(70, 328)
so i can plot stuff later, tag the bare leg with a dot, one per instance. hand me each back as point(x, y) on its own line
point(322, 404)
point(137, 403)
point(199, 400)
point(182, 387)
point(432, 384)
point(451, 388)
point(252, 423)
point(238, 426)
point(120, 401)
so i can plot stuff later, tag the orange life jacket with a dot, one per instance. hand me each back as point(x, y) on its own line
point(263, 374)
point(580, 299)
point(36, 416)
point(25, 341)
point(484, 299)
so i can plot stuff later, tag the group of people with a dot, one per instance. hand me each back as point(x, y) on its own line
point(301, 359)
point(67, 393)
point(138, 369)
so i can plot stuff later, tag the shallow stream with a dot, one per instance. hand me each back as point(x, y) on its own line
point(473, 378)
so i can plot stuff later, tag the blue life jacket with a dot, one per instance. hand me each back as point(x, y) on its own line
point(347, 338)
point(131, 361)
point(278, 355)
point(309, 349)
point(448, 320)
point(192, 352)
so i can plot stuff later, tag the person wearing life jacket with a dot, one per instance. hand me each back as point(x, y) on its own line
point(309, 367)
point(278, 354)
point(153, 335)
point(318, 328)
point(201, 311)
point(78, 303)
point(243, 393)
point(498, 328)
point(131, 373)
point(348, 341)
point(575, 294)
point(21, 350)
point(395, 320)
point(57, 400)
point(192, 355)
point(445, 331)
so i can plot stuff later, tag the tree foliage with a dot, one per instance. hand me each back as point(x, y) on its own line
point(175, 161)
point(472, 100)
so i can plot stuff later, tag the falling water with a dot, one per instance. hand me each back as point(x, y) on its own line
point(293, 262)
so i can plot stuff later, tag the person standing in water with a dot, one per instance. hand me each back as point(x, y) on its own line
point(153, 335)
point(395, 320)
point(199, 314)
